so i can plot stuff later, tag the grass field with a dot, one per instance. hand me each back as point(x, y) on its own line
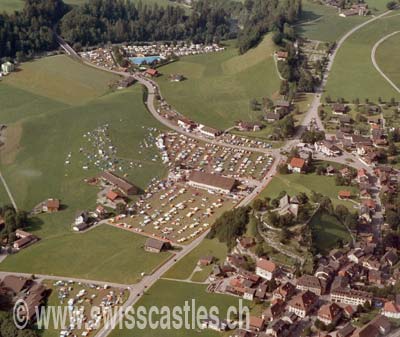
point(184, 268)
point(327, 231)
point(219, 86)
point(293, 184)
point(104, 253)
point(42, 129)
point(321, 22)
point(176, 295)
point(386, 57)
point(353, 74)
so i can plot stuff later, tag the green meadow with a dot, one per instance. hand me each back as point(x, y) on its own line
point(178, 293)
point(105, 253)
point(44, 126)
point(219, 86)
point(353, 74)
point(294, 184)
point(323, 23)
point(327, 232)
point(387, 58)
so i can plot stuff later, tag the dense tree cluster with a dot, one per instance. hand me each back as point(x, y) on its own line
point(262, 16)
point(102, 21)
point(230, 225)
point(30, 31)
point(13, 220)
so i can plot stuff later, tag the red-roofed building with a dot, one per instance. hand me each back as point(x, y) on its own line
point(152, 72)
point(265, 268)
point(112, 195)
point(297, 165)
point(344, 194)
point(392, 308)
point(329, 313)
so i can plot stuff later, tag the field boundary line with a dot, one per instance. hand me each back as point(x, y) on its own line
point(8, 191)
point(373, 58)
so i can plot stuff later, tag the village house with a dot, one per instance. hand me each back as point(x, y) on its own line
point(297, 165)
point(81, 221)
point(249, 126)
point(311, 283)
point(278, 328)
point(303, 303)
point(391, 309)
point(284, 292)
point(212, 182)
point(327, 148)
point(151, 72)
point(274, 312)
point(24, 239)
point(344, 194)
point(7, 67)
point(281, 55)
point(256, 323)
point(351, 296)
point(339, 109)
point(346, 331)
point(51, 205)
point(329, 313)
point(209, 132)
point(265, 268)
point(186, 124)
point(205, 261)
point(153, 245)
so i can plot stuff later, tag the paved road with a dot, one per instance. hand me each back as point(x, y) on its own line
point(313, 111)
point(312, 114)
point(373, 58)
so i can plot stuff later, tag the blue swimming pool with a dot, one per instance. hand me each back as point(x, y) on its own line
point(145, 59)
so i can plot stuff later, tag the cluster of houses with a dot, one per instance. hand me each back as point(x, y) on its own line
point(20, 288)
point(333, 297)
point(358, 8)
point(272, 114)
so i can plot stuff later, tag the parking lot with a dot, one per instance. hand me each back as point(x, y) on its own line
point(80, 298)
point(176, 212)
point(240, 164)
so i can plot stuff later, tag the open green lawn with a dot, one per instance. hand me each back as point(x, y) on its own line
point(219, 86)
point(184, 268)
point(353, 74)
point(293, 184)
point(387, 58)
point(61, 79)
point(327, 231)
point(104, 253)
point(323, 23)
point(173, 293)
point(43, 128)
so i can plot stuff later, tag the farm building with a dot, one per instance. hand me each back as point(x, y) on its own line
point(212, 182)
point(120, 183)
point(156, 246)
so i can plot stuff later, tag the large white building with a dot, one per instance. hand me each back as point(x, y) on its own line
point(265, 269)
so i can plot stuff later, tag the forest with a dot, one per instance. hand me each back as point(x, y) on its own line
point(31, 30)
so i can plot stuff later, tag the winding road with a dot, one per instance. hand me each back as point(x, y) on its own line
point(137, 290)
point(373, 58)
